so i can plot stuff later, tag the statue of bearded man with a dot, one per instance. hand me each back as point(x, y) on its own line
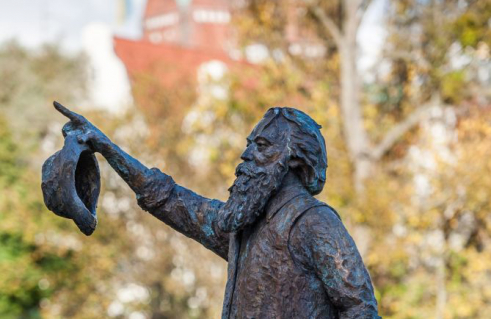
point(288, 254)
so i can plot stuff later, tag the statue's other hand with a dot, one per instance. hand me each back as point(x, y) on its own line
point(86, 132)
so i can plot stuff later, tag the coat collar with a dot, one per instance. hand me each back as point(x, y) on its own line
point(280, 199)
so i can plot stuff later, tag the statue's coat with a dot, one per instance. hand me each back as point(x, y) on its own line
point(297, 262)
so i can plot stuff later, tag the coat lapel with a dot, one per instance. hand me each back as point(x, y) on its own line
point(233, 257)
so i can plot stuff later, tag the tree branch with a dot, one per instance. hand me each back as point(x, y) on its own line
point(329, 24)
point(397, 132)
point(361, 9)
point(394, 134)
point(363, 5)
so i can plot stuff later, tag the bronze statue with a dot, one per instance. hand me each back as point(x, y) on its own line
point(289, 255)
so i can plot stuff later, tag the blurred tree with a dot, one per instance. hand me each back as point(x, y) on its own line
point(435, 42)
point(47, 268)
point(437, 63)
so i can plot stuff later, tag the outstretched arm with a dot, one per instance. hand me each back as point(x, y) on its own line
point(188, 213)
point(131, 170)
point(324, 246)
point(156, 192)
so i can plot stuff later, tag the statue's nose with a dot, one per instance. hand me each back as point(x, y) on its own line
point(247, 155)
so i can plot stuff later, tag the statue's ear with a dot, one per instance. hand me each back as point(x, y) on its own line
point(295, 163)
point(304, 171)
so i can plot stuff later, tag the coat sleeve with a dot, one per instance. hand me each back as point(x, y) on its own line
point(322, 244)
point(183, 210)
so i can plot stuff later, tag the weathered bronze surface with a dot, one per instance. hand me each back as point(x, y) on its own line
point(289, 255)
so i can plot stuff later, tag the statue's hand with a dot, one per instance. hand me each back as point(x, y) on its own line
point(86, 132)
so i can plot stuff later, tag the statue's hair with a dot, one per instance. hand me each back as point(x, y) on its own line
point(307, 145)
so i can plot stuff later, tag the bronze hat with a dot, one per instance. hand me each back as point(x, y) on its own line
point(71, 184)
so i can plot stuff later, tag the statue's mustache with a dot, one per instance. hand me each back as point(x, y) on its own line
point(250, 169)
point(244, 172)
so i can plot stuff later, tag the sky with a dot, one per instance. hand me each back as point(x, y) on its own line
point(80, 25)
point(33, 22)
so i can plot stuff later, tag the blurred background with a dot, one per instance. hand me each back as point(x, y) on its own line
point(401, 88)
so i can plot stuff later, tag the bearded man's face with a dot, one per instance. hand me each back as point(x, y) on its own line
point(259, 176)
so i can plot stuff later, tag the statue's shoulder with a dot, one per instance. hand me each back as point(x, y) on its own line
point(315, 227)
point(324, 210)
point(320, 215)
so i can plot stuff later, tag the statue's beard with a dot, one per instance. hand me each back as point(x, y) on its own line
point(250, 193)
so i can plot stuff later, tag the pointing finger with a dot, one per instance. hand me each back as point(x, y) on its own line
point(74, 117)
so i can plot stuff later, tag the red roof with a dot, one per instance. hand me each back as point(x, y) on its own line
point(168, 62)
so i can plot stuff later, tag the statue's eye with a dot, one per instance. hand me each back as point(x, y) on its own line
point(261, 145)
